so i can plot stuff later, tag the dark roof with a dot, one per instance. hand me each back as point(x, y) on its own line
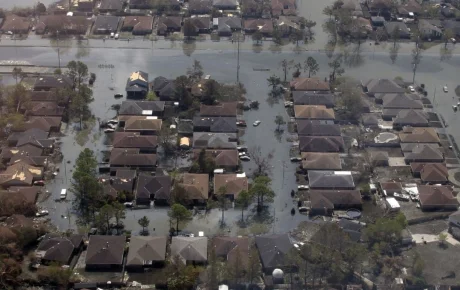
point(115, 184)
point(274, 249)
point(228, 24)
point(376, 86)
point(30, 134)
point(436, 196)
point(331, 199)
point(44, 109)
point(430, 172)
point(310, 98)
point(200, 22)
point(315, 128)
point(138, 23)
point(134, 140)
point(224, 3)
point(262, 25)
point(423, 152)
point(230, 247)
point(19, 221)
point(170, 22)
point(165, 88)
point(411, 117)
point(158, 186)
point(321, 144)
point(28, 193)
point(190, 248)
point(185, 126)
point(323, 161)
point(146, 249)
point(200, 6)
point(224, 109)
point(138, 81)
point(15, 23)
point(370, 120)
point(391, 187)
point(309, 84)
point(195, 185)
point(352, 228)
point(131, 157)
point(114, 5)
point(390, 26)
point(25, 150)
point(452, 25)
point(330, 179)
point(105, 250)
point(59, 249)
point(142, 123)
point(106, 22)
point(419, 135)
point(283, 7)
point(377, 156)
point(42, 96)
point(400, 101)
point(53, 81)
point(313, 112)
point(43, 123)
point(221, 157)
point(216, 124)
point(214, 140)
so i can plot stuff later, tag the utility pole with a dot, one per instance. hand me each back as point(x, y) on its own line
point(238, 62)
point(59, 55)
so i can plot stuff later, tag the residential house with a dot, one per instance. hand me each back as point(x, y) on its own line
point(196, 187)
point(185, 127)
point(380, 7)
point(205, 140)
point(419, 135)
point(448, 11)
point(19, 221)
point(317, 128)
point(145, 125)
point(428, 30)
point(145, 143)
point(225, 4)
point(49, 82)
point(227, 25)
point(105, 252)
point(381, 86)
point(250, 9)
point(310, 98)
point(142, 108)
point(26, 150)
point(43, 109)
point(150, 188)
point(234, 250)
point(131, 158)
point(190, 250)
point(231, 184)
point(452, 25)
point(20, 174)
point(223, 158)
point(283, 7)
point(319, 179)
point(377, 21)
point(321, 161)
point(410, 9)
point(85, 6)
point(66, 24)
point(57, 249)
point(394, 103)
point(311, 112)
point(430, 172)
point(414, 118)
point(200, 6)
point(146, 251)
point(15, 24)
point(398, 27)
point(360, 28)
point(321, 144)
point(264, 26)
point(379, 158)
point(215, 124)
point(224, 109)
point(106, 24)
point(31, 135)
point(48, 124)
point(110, 6)
point(423, 153)
point(310, 84)
point(408, 147)
point(324, 202)
point(137, 85)
point(370, 120)
point(140, 4)
point(437, 198)
point(36, 161)
point(165, 89)
point(138, 25)
point(274, 250)
point(167, 24)
point(21, 194)
point(353, 7)
point(390, 188)
point(122, 182)
point(288, 25)
point(44, 96)
point(201, 24)
point(391, 97)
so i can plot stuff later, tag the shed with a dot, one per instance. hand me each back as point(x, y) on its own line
point(184, 143)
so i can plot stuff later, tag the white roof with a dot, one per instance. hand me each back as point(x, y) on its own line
point(393, 203)
point(147, 112)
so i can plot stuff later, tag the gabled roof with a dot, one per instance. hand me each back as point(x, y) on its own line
point(30, 134)
point(131, 157)
point(111, 5)
point(25, 150)
point(224, 109)
point(216, 124)
point(53, 81)
point(222, 157)
point(376, 86)
point(138, 23)
point(141, 123)
point(274, 249)
point(411, 117)
point(15, 23)
point(321, 161)
point(134, 140)
point(330, 179)
point(369, 120)
point(436, 196)
point(424, 152)
point(283, 7)
point(105, 250)
point(401, 101)
point(315, 128)
point(310, 98)
point(158, 186)
point(321, 144)
point(200, 22)
point(309, 84)
point(233, 183)
point(262, 25)
point(20, 172)
point(106, 22)
point(214, 140)
point(200, 6)
point(228, 24)
point(59, 249)
point(331, 199)
point(27, 193)
point(313, 112)
point(147, 248)
point(196, 185)
point(419, 135)
point(378, 156)
point(44, 109)
point(170, 22)
point(232, 249)
point(193, 249)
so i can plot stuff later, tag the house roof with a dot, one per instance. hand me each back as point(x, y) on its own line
point(59, 249)
point(134, 140)
point(222, 157)
point(376, 156)
point(379, 4)
point(105, 250)
point(313, 112)
point(323, 161)
point(315, 128)
point(146, 248)
point(19, 220)
point(391, 26)
point(419, 135)
point(426, 25)
point(232, 249)
point(423, 152)
point(200, 22)
point(330, 199)
point(376, 86)
point(158, 186)
point(200, 5)
point(216, 124)
point(233, 183)
point(430, 172)
point(25, 150)
point(408, 147)
point(309, 84)
point(436, 196)
point(15, 23)
point(131, 157)
point(228, 24)
point(284, 7)
point(224, 3)
point(330, 179)
point(215, 140)
point(142, 123)
point(401, 101)
point(321, 144)
point(310, 98)
point(185, 126)
point(196, 185)
point(44, 109)
point(273, 249)
point(391, 186)
point(411, 117)
point(262, 25)
point(224, 109)
point(106, 22)
point(38, 161)
point(42, 96)
point(27, 193)
point(190, 248)
point(53, 81)
point(410, 6)
point(138, 23)
point(170, 22)
point(43, 123)
point(116, 5)
point(113, 185)
point(369, 120)
point(20, 172)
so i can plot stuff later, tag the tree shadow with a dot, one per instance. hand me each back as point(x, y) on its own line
point(298, 49)
point(278, 134)
point(445, 53)
point(353, 57)
point(82, 49)
point(329, 48)
point(273, 98)
point(257, 48)
point(274, 48)
point(188, 46)
point(63, 45)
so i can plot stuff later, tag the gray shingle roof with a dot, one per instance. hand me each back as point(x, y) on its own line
point(330, 179)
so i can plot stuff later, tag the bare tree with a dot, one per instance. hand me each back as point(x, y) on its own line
point(416, 58)
point(286, 66)
point(262, 161)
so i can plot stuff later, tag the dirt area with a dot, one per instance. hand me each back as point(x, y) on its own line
point(434, 227)
point(392, 152)
point(409, 209)
point(446, 272)
point(394, 173)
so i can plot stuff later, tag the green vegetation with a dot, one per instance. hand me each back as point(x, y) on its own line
point(262, 192)
point(144, 223)
point(179, 214)
point(312, 66)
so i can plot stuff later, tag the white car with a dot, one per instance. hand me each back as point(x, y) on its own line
point(411, 89)
point(109, 130)
point(41, 213)
point(288, 104)
point(113, 121)
point(256, 123)
point(245, 158)
point(444, 88)
point(303, 186)
point(112, 35)
point(116, 36)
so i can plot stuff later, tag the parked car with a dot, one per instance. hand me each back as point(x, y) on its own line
point(118, 96)
point(256, 123)
point(401, 196)
point(301, 186)
point(296, 159)
point(241, 123)
point(128, 204)
point(411, 89)
point(116, 36)
point(109, 130)
point(245, 158)
point(39, 182)
point(41, 213)
point(288, 104)
point(242, 148)
point(113, 121)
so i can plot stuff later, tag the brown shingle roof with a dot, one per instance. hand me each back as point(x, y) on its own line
point(309, 84)
point(139, 123)
point(326, 161)
point(227, 109)
point(131, 157)
point(134, 140)
point(230, 247)
point(224, 158)
point(419, 135)
point(44, 109)
point(321, 144)
point(313, 112)
point(317, 128)
point(43, 123)
point(138, 23)
point(430, 172)
point(20, 173)
point(196, 185)
point(146, 249)
point(262, 25)
point(190, 248)
point(436, 196)
point(331, 199)
point(283, 7)
point(233, 183)
point(391, 187)
point(158, 186)
point(15, 24)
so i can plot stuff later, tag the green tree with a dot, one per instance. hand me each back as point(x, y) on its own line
point(336, 66)
point(144, 223)
point(196, 71)
point(243, 200)
point(180, 276)
point(55, 275)
point(167, 139)
point(309, 24)
point(77, 72)
point(182, 93)
point(40, 8)
point(151, 96)
point(261, 190)
point(350, 100)
point(274, 82)
point(296, 73)
point(257, 37)
point(279, 120)
point(277, 37)
point(254, 268)
point(104, 217)
point(119, 214)
point(312, 66)
point(395, 35)
point(328, 11)
point(79, 106)
point(222, 201)
point(205, 163)
point(179, 214)
point(442, 237)
point(296, 36)
point(16, 96)
point(384, 235)
point(189, 29)
point(211, 92)
point(286, 66)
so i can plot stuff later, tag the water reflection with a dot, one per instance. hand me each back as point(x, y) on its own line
point(188, 47)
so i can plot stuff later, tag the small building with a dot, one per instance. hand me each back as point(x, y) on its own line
point(138, 25)
point(312, 98)
point(381, 86)
point(324, 202)
point(223, 158)
point(215, 124)
point(201, 24)
point(132, 159)
point(283, 7)
point(49, 82)
point(57, 249)
point(321, 144)
point(146, 251)
point(48, 124)
point(190, 250)
point(157, 188)
point(144, 125)
point(370, 120)
point(234, 250)
point(15, 24)
point(414, 118)
point(379, 158)
point(206, 140)
point(145, 143)
point(105, 252)
point(164, 88)
point(196, 187)
point(227, 25)
point(423, 154)
point(137, 85)
point(106, 24)
point(317, 128)
point(398, 27)
point(231, 184)
point(20, 174)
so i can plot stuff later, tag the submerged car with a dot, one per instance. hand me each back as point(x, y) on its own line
point(444, 88)
point(245, 158)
